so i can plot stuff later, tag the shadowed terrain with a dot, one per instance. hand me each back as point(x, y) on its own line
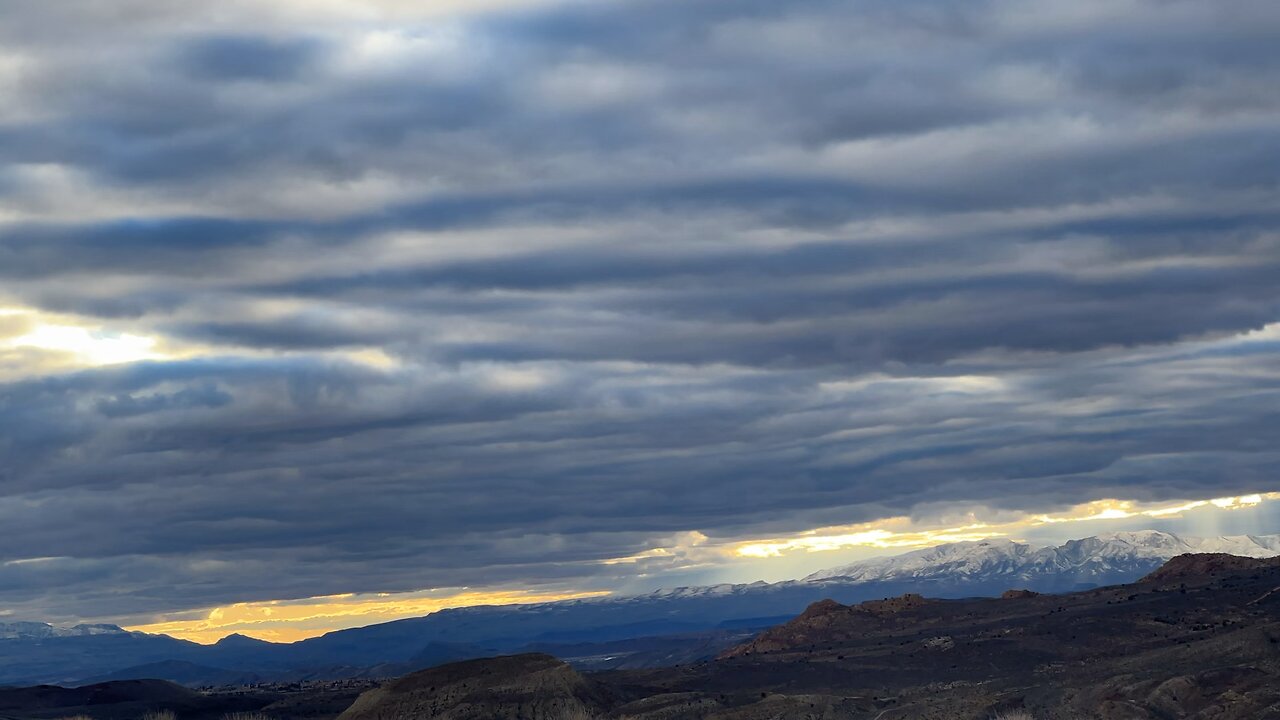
point(1199, 638)
point(123, 699)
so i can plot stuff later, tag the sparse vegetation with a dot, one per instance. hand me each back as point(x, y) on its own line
point(247, 716)
point(160, 715)
point(1014, 715)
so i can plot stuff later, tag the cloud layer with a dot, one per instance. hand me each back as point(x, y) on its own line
point(486, 296)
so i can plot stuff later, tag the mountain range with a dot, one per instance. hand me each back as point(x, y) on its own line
point(1092, 561)
point(672, 625)
point(1194, 640)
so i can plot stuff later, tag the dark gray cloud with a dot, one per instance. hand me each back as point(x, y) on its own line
point(248, 58)
point(487, 298)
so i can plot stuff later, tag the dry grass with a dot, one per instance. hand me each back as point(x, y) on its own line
point(246, 716)
point(1014, 715)
point(160, 715)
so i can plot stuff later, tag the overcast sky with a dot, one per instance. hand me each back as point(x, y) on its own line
point(309, 297)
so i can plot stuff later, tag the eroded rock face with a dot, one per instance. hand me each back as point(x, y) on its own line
point(1195, 566)
point(825, 621)
point(517, 687)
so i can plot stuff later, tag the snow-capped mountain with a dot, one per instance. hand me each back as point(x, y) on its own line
point(22, 630)
point(965, 559)
point(1104, 559)
point(991, 565)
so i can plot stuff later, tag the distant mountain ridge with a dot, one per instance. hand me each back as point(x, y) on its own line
point(602, 627)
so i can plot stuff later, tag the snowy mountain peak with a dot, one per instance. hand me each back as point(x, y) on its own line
point(963, 558)
point(1112, 557)
point(93, 629)
point(17, 630)
point(1140, 537)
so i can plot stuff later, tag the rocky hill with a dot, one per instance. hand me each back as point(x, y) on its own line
point(519, 687)
point(1195, 566)
point(828, 621)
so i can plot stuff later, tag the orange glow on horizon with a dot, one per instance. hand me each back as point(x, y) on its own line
point(293, 620)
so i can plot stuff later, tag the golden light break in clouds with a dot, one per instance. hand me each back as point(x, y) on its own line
point(291, 620)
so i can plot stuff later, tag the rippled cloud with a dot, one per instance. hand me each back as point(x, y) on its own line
point(305, 299)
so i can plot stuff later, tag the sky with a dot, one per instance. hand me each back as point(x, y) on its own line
point(315, 313)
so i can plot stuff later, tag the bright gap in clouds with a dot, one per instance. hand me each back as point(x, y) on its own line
point(829, 539)
point(90, 345)
point(94, 347)
point(61, 343)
